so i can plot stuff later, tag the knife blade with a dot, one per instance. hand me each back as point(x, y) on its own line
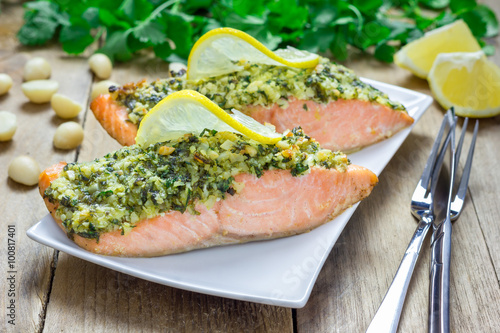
point(439, 288)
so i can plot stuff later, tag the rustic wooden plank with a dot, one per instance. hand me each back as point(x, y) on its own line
point(90, 298)
point(108, 301)
point(366, 256)
point(484, 180)
point(21, 205)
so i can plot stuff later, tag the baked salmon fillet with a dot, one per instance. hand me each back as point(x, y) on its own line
point(329, 102)
point(201, 191)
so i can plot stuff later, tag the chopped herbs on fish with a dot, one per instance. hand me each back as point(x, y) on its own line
point(132, 184)
point(257, 84)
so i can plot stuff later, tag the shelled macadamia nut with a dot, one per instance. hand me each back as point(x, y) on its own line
point(68, 135)
point(24, 170)
point(176, 67)
point(5, 83)
point(101, 65)
point(36, 69)
point(101, 87)
point(40, 91)
point(8, 125)
point(64, 106)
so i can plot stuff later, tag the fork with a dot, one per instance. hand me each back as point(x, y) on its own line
point(387, 317)
point(439, 319)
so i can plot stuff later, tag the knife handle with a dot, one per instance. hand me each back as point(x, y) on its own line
point(387, 317)
point(439, 291)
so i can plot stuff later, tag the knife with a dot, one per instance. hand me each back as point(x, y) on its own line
point(439, 288)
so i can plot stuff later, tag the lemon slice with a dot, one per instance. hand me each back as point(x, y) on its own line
point(419, 55)
point(468, 81)
point(225, 50)
point(188, 111)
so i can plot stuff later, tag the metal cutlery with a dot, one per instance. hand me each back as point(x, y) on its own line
point(387, 317)
point(439, 297)
point(422, 207)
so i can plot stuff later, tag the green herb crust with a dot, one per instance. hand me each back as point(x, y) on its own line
point(257, 84)
point(132, 184)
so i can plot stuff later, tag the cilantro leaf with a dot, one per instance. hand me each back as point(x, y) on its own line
point(170, 28)
point(150, 31)
point(435, 4)
point(385, 52)
point(47, 10)
point(116, 47)
point(457, 6)
point(475, 22)
point(181, 34)
point(294, 17)
point(75, 38)
point(110, 20)
point(37, 31)
point(488, 50)
point(163, 50)
point(91, 16)
point(489, 19)
point(318, 39)
point(136, 10)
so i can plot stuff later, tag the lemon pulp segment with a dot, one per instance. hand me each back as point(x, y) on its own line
point(225, 50)
point(419, 55)
point(468, 81)
point(188, 111)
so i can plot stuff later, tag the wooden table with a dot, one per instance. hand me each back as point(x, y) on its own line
point(56, 292)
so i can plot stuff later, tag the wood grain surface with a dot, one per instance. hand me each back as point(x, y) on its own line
point(60, 293)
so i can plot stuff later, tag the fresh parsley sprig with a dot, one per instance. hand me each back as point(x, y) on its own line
point(170, 28)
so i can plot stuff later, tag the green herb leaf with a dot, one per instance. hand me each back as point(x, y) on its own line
point(457, 6)
point(91, 16)
point(180, 33)
point(385, 52)
point(109, 20)
point(489, 19)
point(171, 27)
point(37, 31)
point(136, 10)
point(150, 31)
point(489, 50)
point(475, 22)
point(435, 4)
point(116, 46)
point(75, 38)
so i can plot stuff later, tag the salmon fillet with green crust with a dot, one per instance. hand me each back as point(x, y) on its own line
point(209, 190)
point(329, 102)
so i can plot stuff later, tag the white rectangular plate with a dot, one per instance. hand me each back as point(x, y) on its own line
point(278, 272)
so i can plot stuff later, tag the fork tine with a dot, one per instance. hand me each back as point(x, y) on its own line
point(464, 181)
point(431, 161)
point(461, 141)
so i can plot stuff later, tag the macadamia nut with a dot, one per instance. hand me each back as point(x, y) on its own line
point(101, 65)
point(64, 106)
point(36, 69)
point(68, 135)
point(8, 125)
point(176, 67)
point(101, 88)
point(5, 83)
point(40, 91)
point(24, 170)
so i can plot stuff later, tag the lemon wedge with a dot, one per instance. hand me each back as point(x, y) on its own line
point(188, 111)
point(468, 81)
point(225, 50)
point(419, 55)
